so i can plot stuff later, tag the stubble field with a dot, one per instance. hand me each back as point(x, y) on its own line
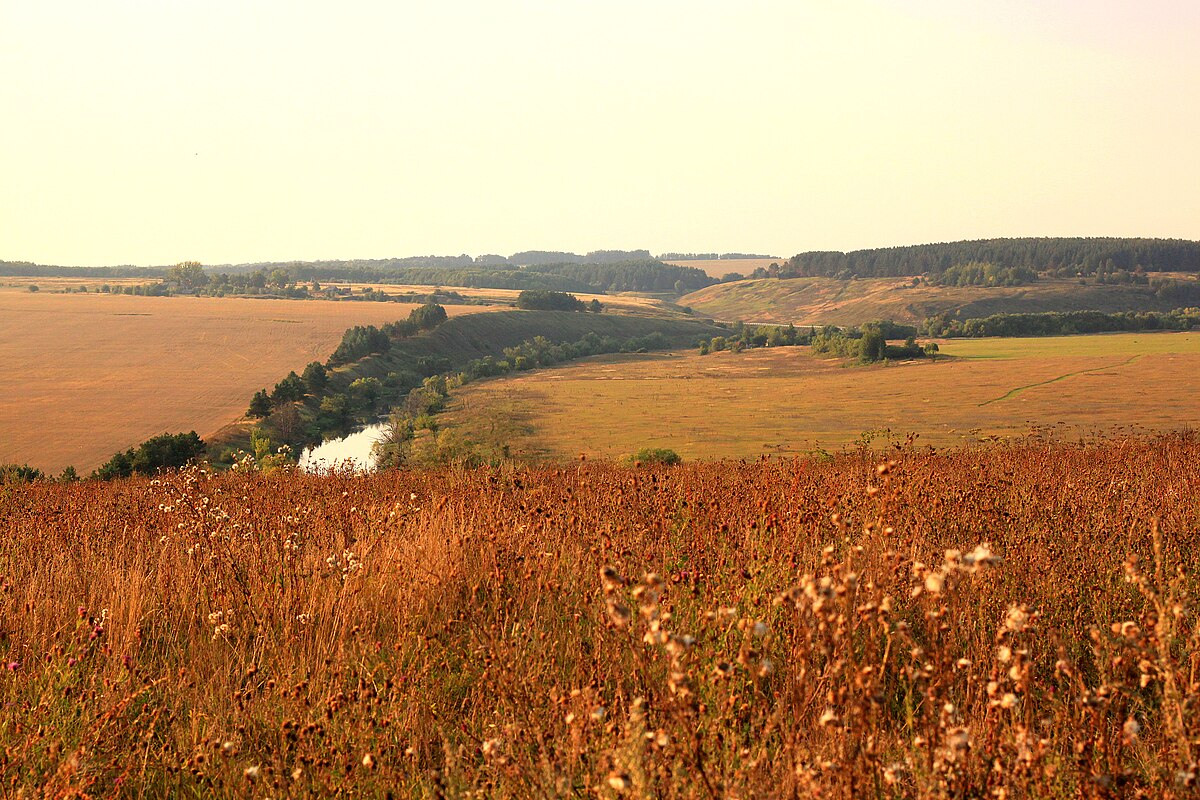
point(785, 401)
point(85, 375)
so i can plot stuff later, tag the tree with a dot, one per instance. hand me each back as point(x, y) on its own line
point(289, 389)
point(595, 306)
point(872, 346)
point(428, 316)
point(188, 275)
point(316, 377)
point(260, 405)
point(538, 300)
point(166, 451)
point(19, 473)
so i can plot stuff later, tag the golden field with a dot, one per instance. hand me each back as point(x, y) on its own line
point(718, 268)
point(1018, 621)
point(85, 375)
point(785, 401)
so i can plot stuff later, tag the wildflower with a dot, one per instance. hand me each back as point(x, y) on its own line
point(760, 629)
point(250, 773)
point(1016, 619)
point(935, 582)
point(368, 761)
point(828, 718)
point(766, 668)
point(490, 747)
point(1130, 730)
point(620, 782)
point(1009, 700)
point(619, 613)
point(598, 714)
point(982, 555)
point(1004, 654)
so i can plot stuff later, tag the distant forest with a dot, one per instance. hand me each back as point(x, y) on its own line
point(711, 256)
point(1058, 257)
point(645, 275)
point(31, 270)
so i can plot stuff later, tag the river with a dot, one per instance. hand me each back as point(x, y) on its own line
point(350, 453)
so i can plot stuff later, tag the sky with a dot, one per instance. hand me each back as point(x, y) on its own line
point(156, 131)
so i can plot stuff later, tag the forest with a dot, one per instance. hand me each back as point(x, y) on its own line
point(1077, 256)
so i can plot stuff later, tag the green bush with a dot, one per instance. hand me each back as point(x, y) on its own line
point(654, 455)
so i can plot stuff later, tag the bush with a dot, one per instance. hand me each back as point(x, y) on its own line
point(538, 300)
point(648, 456)
point(19, 473)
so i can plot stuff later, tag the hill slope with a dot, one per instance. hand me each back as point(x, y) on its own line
point(827, 301)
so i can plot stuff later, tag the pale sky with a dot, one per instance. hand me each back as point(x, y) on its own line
point(156, 131)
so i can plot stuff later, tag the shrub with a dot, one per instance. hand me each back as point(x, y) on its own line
point(654, 455)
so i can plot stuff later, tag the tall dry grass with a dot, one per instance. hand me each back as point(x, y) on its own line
point(1017, 621)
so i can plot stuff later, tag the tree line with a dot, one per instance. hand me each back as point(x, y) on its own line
point(1077, 256)
point(1060, 323)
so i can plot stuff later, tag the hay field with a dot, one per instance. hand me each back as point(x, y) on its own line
point(723, 266)
point(784, 401)
point(84, 375)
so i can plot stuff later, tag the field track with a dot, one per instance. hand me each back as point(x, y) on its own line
point(85, 375)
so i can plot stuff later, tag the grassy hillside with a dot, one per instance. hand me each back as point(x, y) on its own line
point(827, 301)
point(771, 629)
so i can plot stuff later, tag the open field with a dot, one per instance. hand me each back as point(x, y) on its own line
point(785, 401)
point(826, 301)
point(629, 303)
point(771, 629)
point(719, 268)
point(10, 283)
point(85, 375)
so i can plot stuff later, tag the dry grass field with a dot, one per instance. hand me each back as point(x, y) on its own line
point(85, 375)
point(718, 268)
point(784, 401)
point(58, 284)
point(825, 301)
point(1017, 621)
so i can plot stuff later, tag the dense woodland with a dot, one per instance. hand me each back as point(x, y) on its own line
point(1069, 256)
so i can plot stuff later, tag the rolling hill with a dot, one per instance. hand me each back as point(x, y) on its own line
point(829, 301)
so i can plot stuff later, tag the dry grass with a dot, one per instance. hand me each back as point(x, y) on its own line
point(18, 283)
point(783, 401)
point(84, 375)
point(825, 301)
point(772, 629)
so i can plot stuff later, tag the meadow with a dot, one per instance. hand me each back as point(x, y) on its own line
point(84, 375)
point(1016, 621)
point(786, 401)
point(827, 301)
